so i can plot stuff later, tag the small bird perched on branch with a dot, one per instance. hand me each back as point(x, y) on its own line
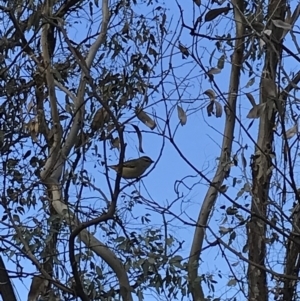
point(133, 168)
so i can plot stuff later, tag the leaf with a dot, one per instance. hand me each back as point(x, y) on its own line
point(221, 62)
point(197, 2)
point(281, 24)
point(214, 13)
point(181, 115)
point(100, 119)
point(224, 221)
point(232, 237)
point(290, 133)
point(153, 52)
point(211, 56)
point(232, 282)
point(253, 113)
point(139, 134)
point(250, 82)
point(211, 94)
point(27, 154)
point(184, 50)
point(244, 161)
point(231, 211)
point(219, 109)
point(256, 111)
point(213, 71)
point(99, 271)
point(251, 99)
point(125, 29)
point(144, 117)
point(245, 248)
point(224, 230)
point(235, 161)
point(210, 108)
point(91, 8)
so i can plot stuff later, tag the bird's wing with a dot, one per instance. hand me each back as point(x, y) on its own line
point(130, 164)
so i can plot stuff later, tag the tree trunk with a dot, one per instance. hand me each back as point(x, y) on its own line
point(261, 160)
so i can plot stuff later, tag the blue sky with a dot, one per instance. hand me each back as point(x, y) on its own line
point(199, 140)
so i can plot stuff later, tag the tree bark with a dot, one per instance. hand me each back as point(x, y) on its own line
point(261, 160)
point(6, 289)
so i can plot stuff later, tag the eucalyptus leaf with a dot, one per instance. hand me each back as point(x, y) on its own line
point(244, 162)
point(290, 133)
point(251, 99)
point(221, 62)
point(211, 56)
point(253, 113)
point(145, 118)
point(210, 108)
point(211, 94)
point(139, 134)
point(224, 230)
point(250, 82)
point(281, 24)
point(213, 71)
point(256, 111)
point(100, 119)
point(231, 211)
point(181, 115)
point(125, 29)
point(214, 13)
point(232, 282)
point(184, 50)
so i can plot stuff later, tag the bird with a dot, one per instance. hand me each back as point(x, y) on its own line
point(133, 168)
